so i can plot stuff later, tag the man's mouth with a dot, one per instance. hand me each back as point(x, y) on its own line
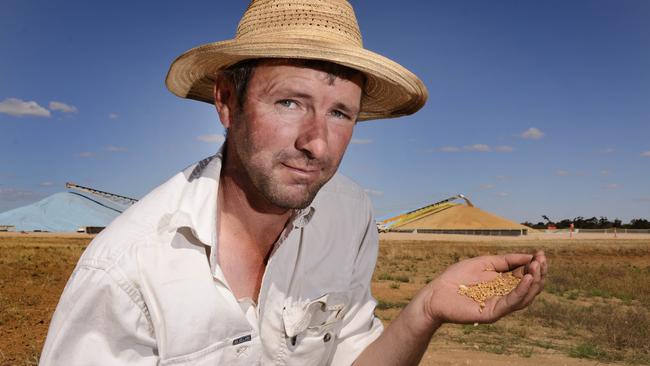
point(302, 171)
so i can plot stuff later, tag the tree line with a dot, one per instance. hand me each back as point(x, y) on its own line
point(590, 223)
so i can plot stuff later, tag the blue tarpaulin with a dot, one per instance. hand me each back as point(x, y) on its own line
point(63, 212)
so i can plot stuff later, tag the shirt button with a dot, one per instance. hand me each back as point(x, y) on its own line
point(241, 351)
point(327, 337)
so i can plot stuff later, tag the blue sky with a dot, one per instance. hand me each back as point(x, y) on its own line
point(535, 108)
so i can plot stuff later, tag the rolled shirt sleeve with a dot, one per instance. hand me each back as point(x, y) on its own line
point(99, 321)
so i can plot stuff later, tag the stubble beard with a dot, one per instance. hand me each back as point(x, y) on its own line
point(298, 196)
point(293, 195)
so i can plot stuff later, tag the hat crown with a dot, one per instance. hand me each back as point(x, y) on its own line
point(328, 20)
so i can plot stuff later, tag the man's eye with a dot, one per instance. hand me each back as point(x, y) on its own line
point(288, 103)
point(339, 114)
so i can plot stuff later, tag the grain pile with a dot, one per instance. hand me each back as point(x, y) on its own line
point(499, 286)
point(461, 217)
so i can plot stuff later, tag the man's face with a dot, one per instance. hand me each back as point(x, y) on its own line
point(291, 134)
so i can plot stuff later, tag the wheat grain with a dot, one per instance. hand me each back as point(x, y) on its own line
point(482, 291)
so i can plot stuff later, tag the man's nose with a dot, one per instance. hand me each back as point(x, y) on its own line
point(312, 138)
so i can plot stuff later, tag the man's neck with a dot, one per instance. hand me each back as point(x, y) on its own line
point(246, 235)
point(250, 223)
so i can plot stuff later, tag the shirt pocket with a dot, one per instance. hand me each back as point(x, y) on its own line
point(311, 327)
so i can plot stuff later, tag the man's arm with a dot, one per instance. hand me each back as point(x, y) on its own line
point(406, 339)
point(361, 327)
point(97, 322)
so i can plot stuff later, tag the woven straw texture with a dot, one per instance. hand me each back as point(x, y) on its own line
point(304, 29)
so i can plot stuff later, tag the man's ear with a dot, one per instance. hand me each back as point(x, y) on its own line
point(224, 100)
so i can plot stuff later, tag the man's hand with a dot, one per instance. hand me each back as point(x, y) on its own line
point(443, 304)
point(407, 337)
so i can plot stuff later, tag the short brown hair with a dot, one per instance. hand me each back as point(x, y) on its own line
point(240, 73)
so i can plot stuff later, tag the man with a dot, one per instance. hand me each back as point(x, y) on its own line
point(261, 254)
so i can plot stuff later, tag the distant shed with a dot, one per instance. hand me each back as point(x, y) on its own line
point(91, 229)
point(6, 228)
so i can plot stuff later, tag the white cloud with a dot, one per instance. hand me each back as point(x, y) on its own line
point(449, 149)
point(485, 187)
point(502, 194)
point(212, 138)
point(372, 192)
point(360, 141)
point(46, 184)
point(19, 108)
point(503, 177)
point(112, 148)
point(609, 150)
point(478, 147)
point(85, 154)
point(532, 134)
point(613, 186)
point(65, 108)
point(645, 154)
point(113, 115)
point(504, 148)
point(562, 173)
point(605, 172)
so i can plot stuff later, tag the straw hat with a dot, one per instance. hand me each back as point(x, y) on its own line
point(304, 29)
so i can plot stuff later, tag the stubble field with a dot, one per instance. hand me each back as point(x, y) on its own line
point(595, 308)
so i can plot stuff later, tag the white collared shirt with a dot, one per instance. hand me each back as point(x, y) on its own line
point(148, 290)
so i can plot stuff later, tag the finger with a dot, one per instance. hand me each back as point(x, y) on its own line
point(520, 271)
point(541, 258)
point(537, 284)
point(515, 299)
point(505, 263)
point(523, 295)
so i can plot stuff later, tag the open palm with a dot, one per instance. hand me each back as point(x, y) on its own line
point(448, 306)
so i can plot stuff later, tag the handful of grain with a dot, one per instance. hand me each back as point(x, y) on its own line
point(480, 292)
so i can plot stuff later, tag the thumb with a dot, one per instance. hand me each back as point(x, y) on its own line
point(515, 299)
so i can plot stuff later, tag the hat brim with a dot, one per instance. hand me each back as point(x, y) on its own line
point(390, 91)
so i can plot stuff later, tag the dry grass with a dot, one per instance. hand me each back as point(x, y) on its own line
point(597, 303)
point(33, 272)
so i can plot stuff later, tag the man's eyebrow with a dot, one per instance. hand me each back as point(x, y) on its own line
point(287, 91)
point(298, 94)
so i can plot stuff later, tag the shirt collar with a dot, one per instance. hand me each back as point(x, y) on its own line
point(197, 206)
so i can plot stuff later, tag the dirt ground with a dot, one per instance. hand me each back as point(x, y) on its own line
point(34, 269)
point(534, 236)
point(535, 336)
point(450, 355)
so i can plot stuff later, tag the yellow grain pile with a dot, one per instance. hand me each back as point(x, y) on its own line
point(499, 286)
point(461, 217)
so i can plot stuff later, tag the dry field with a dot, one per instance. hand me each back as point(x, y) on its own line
point(596, 307)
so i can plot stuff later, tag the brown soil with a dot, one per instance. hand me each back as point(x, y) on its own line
point(538, 337)
point(534, 236)
point(441, 354)
point(35, 268)
point(33, 271)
